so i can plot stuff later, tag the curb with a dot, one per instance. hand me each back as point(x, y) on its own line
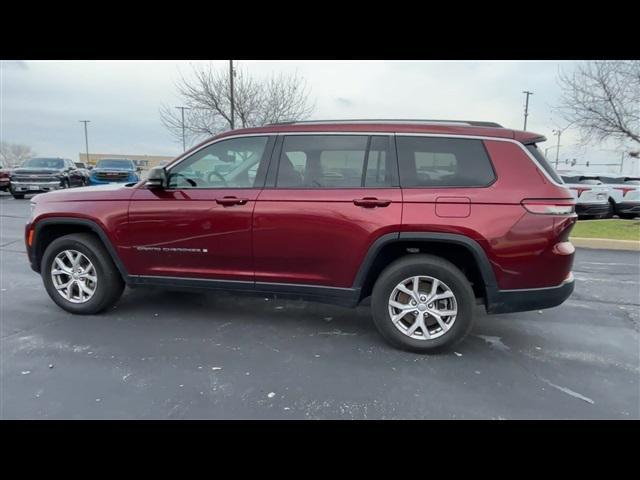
point(606, 244)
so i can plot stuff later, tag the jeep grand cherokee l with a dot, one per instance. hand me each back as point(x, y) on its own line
point(428, 218)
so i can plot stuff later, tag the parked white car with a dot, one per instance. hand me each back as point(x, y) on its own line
point(624, 194)
point(592, 196)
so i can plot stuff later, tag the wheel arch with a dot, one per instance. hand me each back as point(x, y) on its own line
point(462, 251)
point(49, 229)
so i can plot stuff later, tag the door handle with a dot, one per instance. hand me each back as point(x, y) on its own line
point(371, 202)
point(230, 201)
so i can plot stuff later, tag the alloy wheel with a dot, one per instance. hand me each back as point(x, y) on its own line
point(74, 276)
point(422, 307)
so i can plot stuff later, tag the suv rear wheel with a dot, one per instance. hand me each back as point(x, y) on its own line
point(79, 275)
point(422, 303)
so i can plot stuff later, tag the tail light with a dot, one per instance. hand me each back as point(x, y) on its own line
point(549, 207)
point(625, 190)
point(581, 190)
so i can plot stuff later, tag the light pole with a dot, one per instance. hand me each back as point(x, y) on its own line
point(526, 107)
point(86, 138)
point(182, 109)
point(558, 133)
point(231, 75)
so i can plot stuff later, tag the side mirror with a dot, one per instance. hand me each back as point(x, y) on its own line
point(157, 178)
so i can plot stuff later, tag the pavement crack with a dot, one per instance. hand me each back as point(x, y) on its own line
point(568, 391)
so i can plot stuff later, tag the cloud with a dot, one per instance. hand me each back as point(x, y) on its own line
point(344, 102)
point(42, 101)
point(17, 64)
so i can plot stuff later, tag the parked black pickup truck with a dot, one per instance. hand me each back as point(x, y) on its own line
point(39, 175)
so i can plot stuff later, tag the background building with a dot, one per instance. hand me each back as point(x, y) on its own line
point(145, 162)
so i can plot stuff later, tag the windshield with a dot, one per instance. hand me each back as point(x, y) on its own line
point(120, 164)
point(56, 163)
point(79, 165)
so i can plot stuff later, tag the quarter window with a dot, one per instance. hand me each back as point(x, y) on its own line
point(443, 162)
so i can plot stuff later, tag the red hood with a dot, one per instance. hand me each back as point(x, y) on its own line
point(112, 191)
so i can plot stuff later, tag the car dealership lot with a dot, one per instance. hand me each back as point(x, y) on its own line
point(179, 355)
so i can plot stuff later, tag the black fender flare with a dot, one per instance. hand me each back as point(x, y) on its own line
point(91, 224)
point(484, 266)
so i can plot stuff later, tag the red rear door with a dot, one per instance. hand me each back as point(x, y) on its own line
point(329, 199)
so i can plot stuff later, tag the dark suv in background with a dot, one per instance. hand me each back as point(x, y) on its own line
point(39, 175)
point(427, 218)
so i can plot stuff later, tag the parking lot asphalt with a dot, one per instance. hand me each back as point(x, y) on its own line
point(174, 355)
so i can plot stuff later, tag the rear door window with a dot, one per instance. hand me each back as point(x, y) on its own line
point(335, 161)
point(443, 162)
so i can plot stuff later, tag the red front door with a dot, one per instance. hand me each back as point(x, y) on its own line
point(187, 233)
point(199, 225)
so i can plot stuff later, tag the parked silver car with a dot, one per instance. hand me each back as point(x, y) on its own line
point(592, 196)
point(624, 194)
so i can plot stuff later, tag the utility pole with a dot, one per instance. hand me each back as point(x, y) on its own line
point(182, 109)
point(557, 132)
point(231, 75)
point(526, 107)
point(86, 138)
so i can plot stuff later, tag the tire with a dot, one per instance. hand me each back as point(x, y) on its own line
point(612, 210)
point(18, 196)
point(109, 285)
point(429, 266)
point(628, 216)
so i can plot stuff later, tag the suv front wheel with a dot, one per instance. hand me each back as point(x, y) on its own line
point(422, 303)
point(79, 275)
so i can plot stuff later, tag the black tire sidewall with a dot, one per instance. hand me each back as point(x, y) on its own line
point(427, 266)
point(105, 288)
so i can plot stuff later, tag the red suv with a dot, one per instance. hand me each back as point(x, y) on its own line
point(428, 218)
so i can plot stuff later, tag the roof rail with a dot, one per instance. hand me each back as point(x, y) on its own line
point(473, 123)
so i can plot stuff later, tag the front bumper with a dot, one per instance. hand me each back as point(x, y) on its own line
point(628, 207)
point(592, 208)
point(27, 187)
point(95, 181)
point(524, 300)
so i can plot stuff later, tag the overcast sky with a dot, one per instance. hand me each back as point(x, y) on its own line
point(42, 101)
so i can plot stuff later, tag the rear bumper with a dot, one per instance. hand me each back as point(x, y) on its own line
point(592, 208)
point(523, 300)
point(628, 207)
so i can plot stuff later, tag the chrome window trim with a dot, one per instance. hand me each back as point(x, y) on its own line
point(184, 156)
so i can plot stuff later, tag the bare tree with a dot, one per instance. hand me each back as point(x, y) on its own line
point(602, 99)
point(13, 154)
point(256, 102)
